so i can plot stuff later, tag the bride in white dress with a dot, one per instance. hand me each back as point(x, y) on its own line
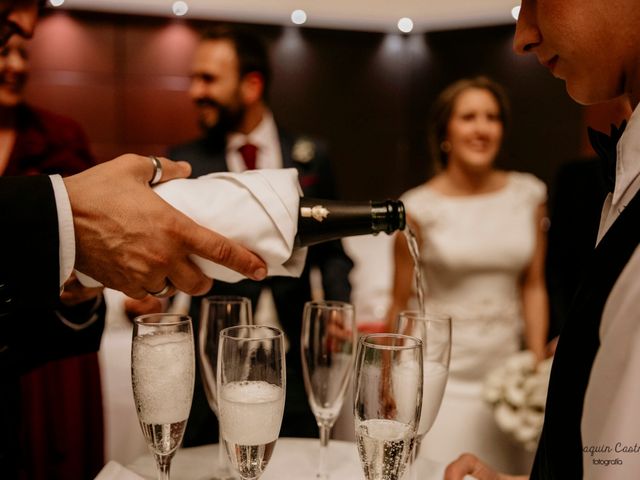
point(481, 238)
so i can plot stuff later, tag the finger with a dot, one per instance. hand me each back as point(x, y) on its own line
point(149, 304)
point(166, 290)
point(462, 466)
point(145, 168)
point(221, 250)
point(188, 278)
point(468, 464)
point(172, 170)
point(134, 292)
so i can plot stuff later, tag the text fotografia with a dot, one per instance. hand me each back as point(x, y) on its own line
point(596, 452)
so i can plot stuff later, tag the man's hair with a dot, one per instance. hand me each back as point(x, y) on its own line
point(250, 49)
point(442, 110)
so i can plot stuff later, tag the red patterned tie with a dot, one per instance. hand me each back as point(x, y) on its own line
point(249, 154)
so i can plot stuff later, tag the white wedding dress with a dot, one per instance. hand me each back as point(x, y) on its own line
point(474, 250)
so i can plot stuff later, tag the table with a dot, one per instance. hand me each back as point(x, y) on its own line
point(293, 459)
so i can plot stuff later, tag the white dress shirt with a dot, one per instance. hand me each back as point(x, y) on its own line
point(269, 155)
point(610, 420)
point(66, 234)
point(265, 137)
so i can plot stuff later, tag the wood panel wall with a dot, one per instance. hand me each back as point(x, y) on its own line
point(125, 79)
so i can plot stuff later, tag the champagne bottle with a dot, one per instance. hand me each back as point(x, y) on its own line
point(324, 220)
point(258, 210)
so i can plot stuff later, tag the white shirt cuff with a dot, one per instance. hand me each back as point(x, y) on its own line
point(66, 234)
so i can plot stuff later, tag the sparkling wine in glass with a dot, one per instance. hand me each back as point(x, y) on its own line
point(327, 345)
point(251, 392)
point(434, 329)
point(162, 376)
point(217, 313)
point(388, 399)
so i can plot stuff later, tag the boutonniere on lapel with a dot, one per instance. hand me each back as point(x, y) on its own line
point(304, 150)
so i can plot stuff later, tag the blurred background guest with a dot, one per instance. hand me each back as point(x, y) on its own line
point(60, 407)
point(230, 78)
point(482, 246)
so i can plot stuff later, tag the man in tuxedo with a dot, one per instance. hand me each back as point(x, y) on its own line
point(591, 427)
point(230, 80)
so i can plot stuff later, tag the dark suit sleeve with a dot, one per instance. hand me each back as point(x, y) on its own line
point(47, 335)
point(29, 265)
point(335, 266)
point(29, 262)
point(34, 326)
point(317, 180)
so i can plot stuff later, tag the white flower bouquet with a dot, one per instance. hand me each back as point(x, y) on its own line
point(517, 389)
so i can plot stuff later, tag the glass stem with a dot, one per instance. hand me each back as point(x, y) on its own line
point(325, 433)
point(414, 455)
point(163, 464)
point(222, 459)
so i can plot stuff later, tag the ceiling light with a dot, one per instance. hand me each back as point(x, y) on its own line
point(56, 3)
point(180, 8)
point(298, 17)
point(405, 25)
point(515, 11)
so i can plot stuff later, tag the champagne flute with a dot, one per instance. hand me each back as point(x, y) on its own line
point(162, 376)
point(434, 329)
point(251, 392)
point(327, 345)
point(388, 399)
point(217, 313)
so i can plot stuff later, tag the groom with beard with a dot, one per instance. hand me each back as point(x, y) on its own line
point(229, 80)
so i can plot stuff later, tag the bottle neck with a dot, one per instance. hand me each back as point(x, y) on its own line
point(387, 216)
point(325, 220)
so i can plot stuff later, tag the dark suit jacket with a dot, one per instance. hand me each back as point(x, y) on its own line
point(207, 155)
point(560, 450)
point(576, 204)
point(31, 332)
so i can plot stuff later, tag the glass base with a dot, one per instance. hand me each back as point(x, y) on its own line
point(221, 476)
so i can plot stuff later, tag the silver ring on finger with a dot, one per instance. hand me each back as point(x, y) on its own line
point(162, 293)
point(157, 170)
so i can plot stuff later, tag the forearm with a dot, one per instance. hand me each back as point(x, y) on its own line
point(536, 318)
point(535, 300)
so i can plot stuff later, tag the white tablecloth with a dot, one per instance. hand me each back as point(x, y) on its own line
point(293, 459)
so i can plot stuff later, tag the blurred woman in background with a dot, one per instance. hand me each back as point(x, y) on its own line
point(482, 245)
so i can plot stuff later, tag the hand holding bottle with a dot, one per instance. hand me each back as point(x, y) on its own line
point(262, 210)
point(129, 239)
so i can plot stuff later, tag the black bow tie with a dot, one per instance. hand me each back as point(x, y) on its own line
point(605, 146)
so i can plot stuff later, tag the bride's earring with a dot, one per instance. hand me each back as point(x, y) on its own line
point(445, 146)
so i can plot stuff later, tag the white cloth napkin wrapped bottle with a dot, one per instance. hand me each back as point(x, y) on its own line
point(256, 208)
